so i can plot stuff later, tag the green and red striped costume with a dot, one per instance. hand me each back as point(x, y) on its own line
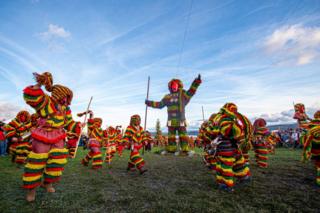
point(17, 129)
point(111, 143)
point(261, 136)
point(95, 143)
point(176, 103)
point(134, 136)
point(227, 128)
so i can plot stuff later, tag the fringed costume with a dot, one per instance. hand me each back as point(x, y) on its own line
point(311, 141)
point(72, 139)
point(176, 102)
point(120, 142)
point(209, 154)
point(261, 141)
point(48, 157)
point(226, 132)
point(134, 136)
point(147, 141)
point(111, 143)
point(96, 138)
point(18, 132)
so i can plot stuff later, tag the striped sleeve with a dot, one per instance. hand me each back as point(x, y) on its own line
point(306, 141)
point(193, 88)
point(90, 123)
point(71, 125)
point(158, 104)
point(146, 137)
point(36, 98)
point(10, 130)
point(230, 129)
point(128, 134)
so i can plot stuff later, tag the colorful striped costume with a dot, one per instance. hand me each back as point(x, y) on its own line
point(48, 155)
point(17, 130)
point(95, 143)
point(311, 144)
point(120, 142)
point(134, 136)
point(226, 131)
point(261, 140)
point(72, 139)
point(176, 102)
point(147, 140)
point(209, 155)
point(246, 142)
point(302, 118)
point(111, 145)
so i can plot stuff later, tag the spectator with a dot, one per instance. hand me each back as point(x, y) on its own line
point(3, 141)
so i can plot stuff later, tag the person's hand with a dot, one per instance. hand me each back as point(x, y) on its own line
point(199, 77)
point(83, 125)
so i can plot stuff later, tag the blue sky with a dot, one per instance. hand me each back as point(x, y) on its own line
point(261, 55)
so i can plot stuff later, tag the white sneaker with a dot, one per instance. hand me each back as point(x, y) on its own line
point(177, 153)
point(163, 152)
point(191, 153)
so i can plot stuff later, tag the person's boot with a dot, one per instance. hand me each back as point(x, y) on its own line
point(84, 163)
point(13, 158)
point(31, 195)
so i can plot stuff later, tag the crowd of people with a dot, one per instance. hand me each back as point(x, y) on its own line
point(289, 137)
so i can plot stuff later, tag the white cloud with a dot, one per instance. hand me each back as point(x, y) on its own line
point(294, 44)
point(8, 111)
point(306, 58)
point(287, 116)
point(55, 31)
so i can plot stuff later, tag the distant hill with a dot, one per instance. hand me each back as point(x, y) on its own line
point(271, 128)
point(283, 126)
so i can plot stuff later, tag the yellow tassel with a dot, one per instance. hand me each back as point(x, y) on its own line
point(97, 156)
point(30, 179)
point(96, 163)
point(57, 161)
point(34, 166)
point(226, 159)
point(139, 161)
point(229, 182)
point(243, 172)
point(38, 155)
point(54, 173)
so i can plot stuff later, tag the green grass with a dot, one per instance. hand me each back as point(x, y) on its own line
point(172, 184)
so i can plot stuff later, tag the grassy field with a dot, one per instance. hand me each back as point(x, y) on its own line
point(172, 184)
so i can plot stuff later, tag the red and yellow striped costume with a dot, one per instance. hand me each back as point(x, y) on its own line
point(73, 138)
point(120, 143)
point(48, 155)
point(261, 140)
point(134, 136)
point(95, 143)
point(17, 129)
point(147, 140)
point(205, 141)
point(111, 145)
point(228, 131)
